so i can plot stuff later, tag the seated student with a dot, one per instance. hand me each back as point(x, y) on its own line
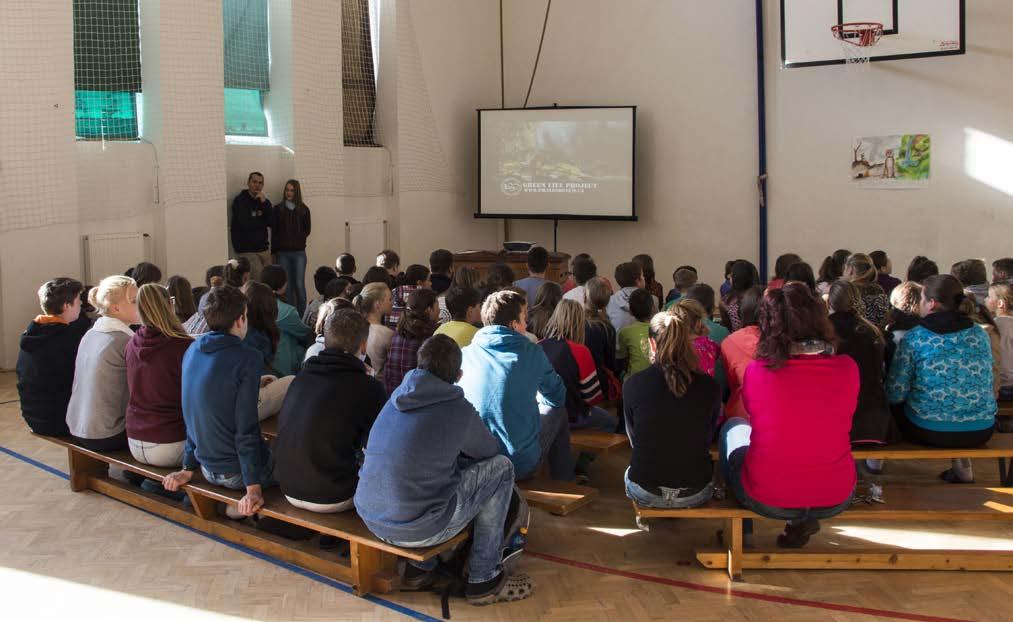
point(1000, 304)
point(744, 276)
point(570, 282)
point(781, 266)
point(1002, 271)
point(651, 284)
point(516, 390)
point(801, 272)
point(921, 268)
point(564, 347)
point(376, 274)
point(466, 309)
point(181, 297)
point(415, 277)
point(345, 267)
point(146, 272)
point(542, 306)
point(391, 264)
point(46, 357)
point(326, 418)
point(441, 270)
point(499, 277)
point(792, 460)
point(431, 469)
point(221, 378)
point(706, 349)
point(884, 266)
point(418, 322)
point(942, 376)
point(154, 359)
point(465, 278)
point(860, 339)
point(212, 278)
point(831, 269)
point(633, 353)
point(322, 276)
point(294, 335)
point(582, 270)
point(738, 350)
point(630, 278)
point(860, 270)
point(904, 314)
point(538, 263)
point(263, 335)
point(98, 400)
point(600, 336)
point(726, 285)
point(704, 294)
point(683, 278)
point(973, 276)
point(373, 302)
point(671, 466)
point(326, 309)
point(235, 272)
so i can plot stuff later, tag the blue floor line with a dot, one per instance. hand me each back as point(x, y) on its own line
point(411, 613)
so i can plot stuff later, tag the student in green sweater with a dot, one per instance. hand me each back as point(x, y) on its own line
point(465, 306)
point(633, 351)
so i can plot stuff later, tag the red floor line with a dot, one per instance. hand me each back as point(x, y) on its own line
point(798, 602)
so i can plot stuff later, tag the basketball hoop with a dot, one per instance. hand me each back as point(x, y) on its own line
point(857, 39)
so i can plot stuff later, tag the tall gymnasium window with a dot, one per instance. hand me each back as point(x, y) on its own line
point(247, 66)
point(358, 72)
point(107, 69)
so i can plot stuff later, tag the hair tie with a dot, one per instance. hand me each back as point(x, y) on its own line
point(233, 262)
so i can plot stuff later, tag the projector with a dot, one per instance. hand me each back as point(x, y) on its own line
point(519, 247)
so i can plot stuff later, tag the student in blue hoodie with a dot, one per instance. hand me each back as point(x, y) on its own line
point(630, 277)
point(941, 376)
point(516, 390)
point(221, 381)
point(431, 469)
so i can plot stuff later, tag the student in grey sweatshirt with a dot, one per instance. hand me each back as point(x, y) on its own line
point(96, 414)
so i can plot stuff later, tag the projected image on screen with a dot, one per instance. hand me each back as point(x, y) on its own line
point(566, 162)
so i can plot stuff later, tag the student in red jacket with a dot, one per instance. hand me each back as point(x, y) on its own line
point(792, 460)
point(572, 360)
point(154, 356)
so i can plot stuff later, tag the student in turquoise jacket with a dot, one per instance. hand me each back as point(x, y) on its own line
point(516, 391)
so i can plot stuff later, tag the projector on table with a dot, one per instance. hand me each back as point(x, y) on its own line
point(520, 247)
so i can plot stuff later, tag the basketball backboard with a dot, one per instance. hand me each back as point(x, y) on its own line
point(911, 29)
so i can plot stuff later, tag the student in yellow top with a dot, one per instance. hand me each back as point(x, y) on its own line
point(634, 351)
point(465, 306)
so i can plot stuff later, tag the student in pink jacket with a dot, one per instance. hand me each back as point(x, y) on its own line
point(792, 460)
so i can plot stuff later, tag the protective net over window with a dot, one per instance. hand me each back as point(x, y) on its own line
point(358, 73)
point(247, 66)
point(107, 69)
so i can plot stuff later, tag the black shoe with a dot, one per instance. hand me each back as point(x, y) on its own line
point(150, 485)
point(796, 535)
point(950, 477)
point(133, 478)
point(416, 579)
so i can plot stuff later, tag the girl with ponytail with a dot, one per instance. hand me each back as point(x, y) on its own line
point(941, 377)
point(374, 302)
point(670, 410)
point(860, 270)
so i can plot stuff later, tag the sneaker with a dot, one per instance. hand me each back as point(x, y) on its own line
point(796, 535)
point(149, 485)
point(135, 479)
point(950, 477)
point(416, 579)
point(503, 588)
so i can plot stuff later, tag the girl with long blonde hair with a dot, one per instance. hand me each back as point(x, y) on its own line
point(154, 359)
point(860, 270)
point(375, 301)
point(670, 410)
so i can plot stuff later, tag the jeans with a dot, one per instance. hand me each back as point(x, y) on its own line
point(234, 481)
point(294, 263)
point(733, 443)
point(597, 419)
point(322, 508)
point(669, 497)
point(554, 442)
point(483, 496)
point(157, 454)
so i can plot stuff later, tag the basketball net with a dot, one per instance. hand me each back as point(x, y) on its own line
point(857, 40)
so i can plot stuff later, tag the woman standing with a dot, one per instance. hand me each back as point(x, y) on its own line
point(288, 242)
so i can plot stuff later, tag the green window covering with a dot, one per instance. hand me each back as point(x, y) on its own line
point(244, 113)
point(107, 46)
point(247, 60)
point(105, 114)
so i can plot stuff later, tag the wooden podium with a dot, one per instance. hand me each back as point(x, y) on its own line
point(559, 263)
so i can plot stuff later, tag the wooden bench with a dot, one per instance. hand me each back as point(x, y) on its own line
point(369, 569)
point(925, 503)
point(1005, 409)
point(999, 447)
point(597, 442)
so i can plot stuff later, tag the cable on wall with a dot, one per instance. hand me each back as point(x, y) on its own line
point(534, 70)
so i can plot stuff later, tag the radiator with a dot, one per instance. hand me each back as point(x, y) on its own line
point(106, 254)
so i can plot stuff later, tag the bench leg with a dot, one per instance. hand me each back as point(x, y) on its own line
point(82, 467)
point(204, 507)
point(733, 543)
point(1005, 475)
point(373, 570)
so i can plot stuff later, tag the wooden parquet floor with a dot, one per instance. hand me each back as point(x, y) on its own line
point(84, 556)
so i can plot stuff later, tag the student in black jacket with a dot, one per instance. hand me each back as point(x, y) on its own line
point(326, 417)
point(252, 216)
point(46, 360)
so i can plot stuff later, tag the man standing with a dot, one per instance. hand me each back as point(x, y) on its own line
point(252, 214)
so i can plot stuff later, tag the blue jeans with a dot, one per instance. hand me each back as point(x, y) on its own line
point(733, 443)
point(554, 442)
point(597, 419)
point(669, 497)
point(234, 481)
point(483, 496)
point(294, 264)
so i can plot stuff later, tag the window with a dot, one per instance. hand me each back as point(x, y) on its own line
point(247, 66)
point(107, 69)
point(358, 73)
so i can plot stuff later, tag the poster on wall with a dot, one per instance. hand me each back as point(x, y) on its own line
point(898, 161)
